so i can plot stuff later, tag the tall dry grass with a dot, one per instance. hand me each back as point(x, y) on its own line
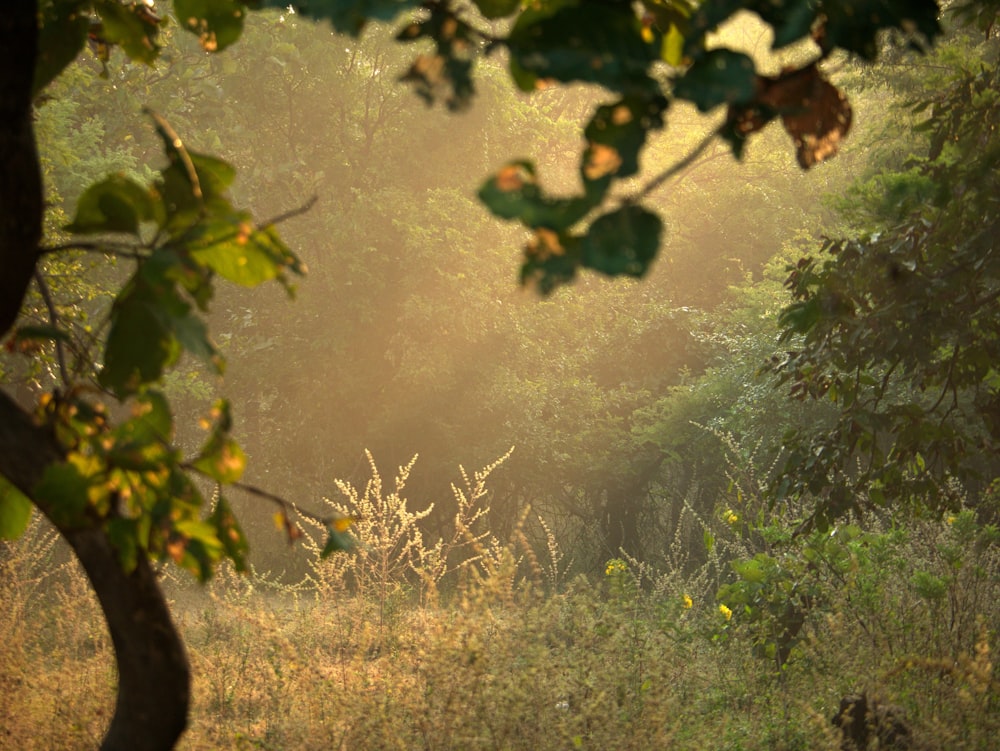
point(470, 642)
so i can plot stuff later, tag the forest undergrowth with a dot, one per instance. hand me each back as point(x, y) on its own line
point(467, 641)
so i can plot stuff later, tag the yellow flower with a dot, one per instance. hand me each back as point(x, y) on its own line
point(615, 566)
point(688, 602)
point(726, 612)
point(731, 516)
point(950, 520)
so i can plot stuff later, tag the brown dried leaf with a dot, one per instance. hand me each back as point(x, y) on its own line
point(814, 112)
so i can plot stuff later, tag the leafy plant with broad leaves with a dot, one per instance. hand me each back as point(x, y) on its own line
point(899, 328)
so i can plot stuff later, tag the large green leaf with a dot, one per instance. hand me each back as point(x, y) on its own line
point(622, 128)
point(64, 491)
point(854, 25)
point(603, 43)
point(221, 458)
point(15, 511)
point(513, 193)
point(138, 347)
point(62, 34)
point(151, 421)
point(230, 534)
point(193, 185)
point(624, 241)
point(234, 249)
point(217, 23)
point(551, 259)
point(720, 76)
point(347, 16)
point(791, 19)
point(143, 341)
point(132, 26)
point(115, 204)
point(497, 8)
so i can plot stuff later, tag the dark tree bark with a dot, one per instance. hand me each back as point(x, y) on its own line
point(153, 673)
point(20, 178)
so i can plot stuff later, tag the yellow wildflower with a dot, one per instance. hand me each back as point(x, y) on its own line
point(726, 612)
point(615, 566)
point(731, 516)
point(688, 602)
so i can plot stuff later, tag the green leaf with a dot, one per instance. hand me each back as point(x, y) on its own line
point(338, 540)
point(624, 241)
point(133, 27)
point(234, 249)
point(672, 50)
point(600, 43)
point(15, 511)
point(791, 19)
point(115, 204)
point(749, 571)
point(140, 343)
point(854, 26)
point(152, 421)
point(124, 534)
point(513, 194)
point(347, 16)
point(230, 534)
point(221, 458)
point(623, 127)
point(193, 185)
point(64, 491)
point(720, 76)
point(497, 8)
point(62, 34)
point(216, 23)
point(551, 260)
point(801, 317)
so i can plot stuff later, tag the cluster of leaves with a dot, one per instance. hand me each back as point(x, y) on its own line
point(181, 232)
point(642, 54)
point(898, 329)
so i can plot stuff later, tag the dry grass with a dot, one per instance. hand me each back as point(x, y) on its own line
point(500, 659)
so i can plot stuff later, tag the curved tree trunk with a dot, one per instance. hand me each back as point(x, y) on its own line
point(153, 673)
point(154, 678)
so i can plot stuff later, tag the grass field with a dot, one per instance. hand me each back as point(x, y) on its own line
point(495, 651)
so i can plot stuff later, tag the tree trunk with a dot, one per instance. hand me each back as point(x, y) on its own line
point(20, 178)
point(154, 678)
point(153, 673)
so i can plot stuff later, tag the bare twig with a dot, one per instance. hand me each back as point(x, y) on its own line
point(291, 214)
point(43, 288)
point(284, 503)
point(123, 250)
point(683, 164)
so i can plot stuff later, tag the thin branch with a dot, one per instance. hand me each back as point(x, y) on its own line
point(291, 214)
point(683, 164)
point(123, 250)
point(167, 132)
point(43, 288)
point(285, 504)
point(948, 385)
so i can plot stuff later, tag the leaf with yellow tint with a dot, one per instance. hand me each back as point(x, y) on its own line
point(601, 160)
